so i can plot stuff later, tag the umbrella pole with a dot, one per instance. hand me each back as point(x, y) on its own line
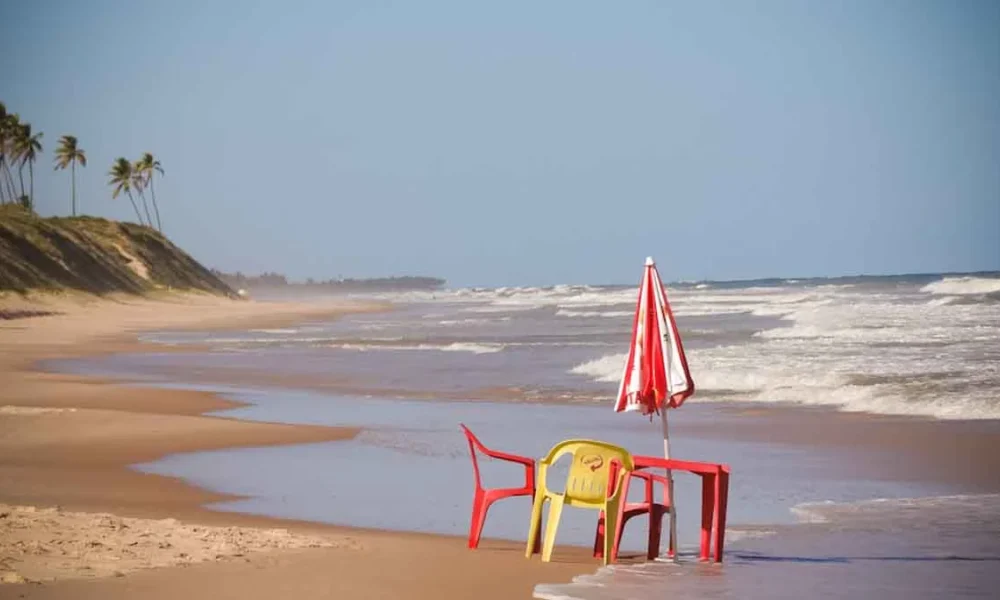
point(670, 486)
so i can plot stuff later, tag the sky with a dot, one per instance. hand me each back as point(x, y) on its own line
point(530, 143)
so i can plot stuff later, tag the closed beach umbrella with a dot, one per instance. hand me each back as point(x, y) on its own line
point(656, 376)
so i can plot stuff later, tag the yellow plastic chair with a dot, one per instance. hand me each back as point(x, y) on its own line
point(594, 465)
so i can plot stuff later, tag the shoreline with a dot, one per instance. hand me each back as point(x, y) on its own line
point(78, 457)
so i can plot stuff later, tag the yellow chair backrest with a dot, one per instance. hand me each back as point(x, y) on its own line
point(590, 472)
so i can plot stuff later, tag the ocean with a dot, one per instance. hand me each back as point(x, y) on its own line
point(526, 367)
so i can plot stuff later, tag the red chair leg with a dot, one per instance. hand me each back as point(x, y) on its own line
point(623, 518)
point(477, 520)
point(655, 527)
point(599, 536)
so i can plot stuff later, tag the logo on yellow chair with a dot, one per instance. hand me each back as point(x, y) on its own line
point(592, 461)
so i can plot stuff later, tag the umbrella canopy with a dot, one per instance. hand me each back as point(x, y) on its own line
point(656, 374)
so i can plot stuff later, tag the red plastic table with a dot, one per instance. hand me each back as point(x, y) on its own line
point(714, 497)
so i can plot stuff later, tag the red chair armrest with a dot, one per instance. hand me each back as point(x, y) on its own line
point(529, 463)
point(650, 479)
point(524, 460)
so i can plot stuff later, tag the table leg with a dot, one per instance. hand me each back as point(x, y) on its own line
point(707, 513)
point(722, 500)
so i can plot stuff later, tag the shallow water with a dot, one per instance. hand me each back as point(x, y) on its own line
point(925, 548)
point(413, 449)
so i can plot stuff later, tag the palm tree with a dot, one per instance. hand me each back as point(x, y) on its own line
point(17, 145)
point(121, 179)
point(69, 153)
point(4, 155)
point(27, 147)
point(9, 126)
point(140, 184)
point(12, 133)
point(149, 166)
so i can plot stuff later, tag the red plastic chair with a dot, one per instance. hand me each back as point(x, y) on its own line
point(648, 505)
point(485, 497)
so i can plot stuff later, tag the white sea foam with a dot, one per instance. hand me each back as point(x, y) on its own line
point(956, 286)
point(969, 507)
point(854, 350)
point(604, 369)
point(460, 322)
point(562, 312)
point(489, 309)
point(472, 348)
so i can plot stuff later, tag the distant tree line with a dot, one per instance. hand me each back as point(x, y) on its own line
point(276, 280)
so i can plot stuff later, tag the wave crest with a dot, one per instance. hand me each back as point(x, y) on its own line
point(963, 286)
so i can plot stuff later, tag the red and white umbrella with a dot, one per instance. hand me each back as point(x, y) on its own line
point(656, 376)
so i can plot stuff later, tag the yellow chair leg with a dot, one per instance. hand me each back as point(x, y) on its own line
point(536, 523)
point(610, 528)
point(555, 511)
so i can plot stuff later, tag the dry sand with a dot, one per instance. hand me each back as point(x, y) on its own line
point(51, 544)
point(82, 524)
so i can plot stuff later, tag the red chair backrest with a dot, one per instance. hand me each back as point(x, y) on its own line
point(474, 444)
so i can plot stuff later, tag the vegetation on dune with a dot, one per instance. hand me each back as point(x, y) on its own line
point(94, 255)
point(20, 147)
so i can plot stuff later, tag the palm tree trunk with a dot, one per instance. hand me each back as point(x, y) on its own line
point(9, 179)
point(20, 175)
point(3, 180)
point(152, 192)
point(31, 175)
point(145, 207)
point(134, 206)
point(73, 171)
point(10, 183)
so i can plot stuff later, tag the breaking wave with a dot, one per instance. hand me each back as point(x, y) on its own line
point(606, 369)
point(963, 286)
point(884, 352)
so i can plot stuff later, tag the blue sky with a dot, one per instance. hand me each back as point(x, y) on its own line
point(531, 143)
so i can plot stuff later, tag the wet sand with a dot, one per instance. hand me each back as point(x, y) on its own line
point(76, 458)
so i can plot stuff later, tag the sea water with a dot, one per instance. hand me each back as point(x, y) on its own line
point(920, 345)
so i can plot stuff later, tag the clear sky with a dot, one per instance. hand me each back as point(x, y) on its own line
point(531, 143)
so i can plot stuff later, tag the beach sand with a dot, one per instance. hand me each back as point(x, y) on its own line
point(66, 443)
